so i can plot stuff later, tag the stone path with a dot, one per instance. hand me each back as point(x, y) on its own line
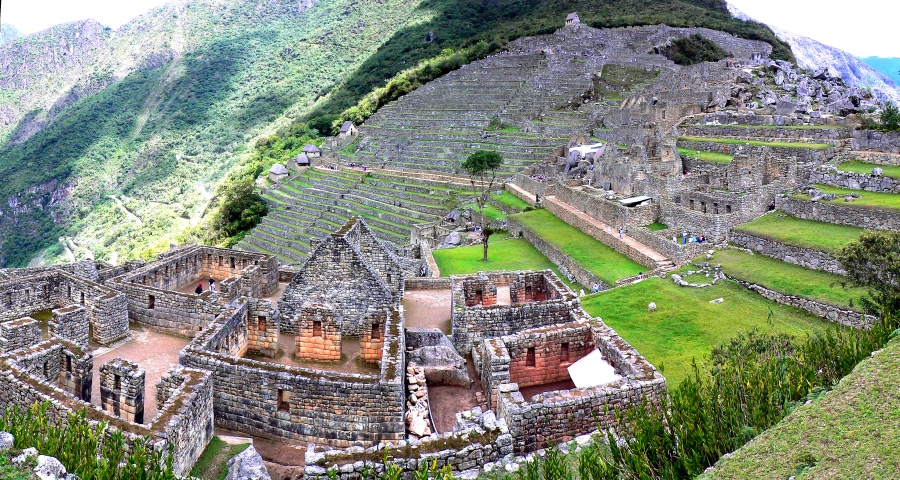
point(649, 252)
point(524, 193)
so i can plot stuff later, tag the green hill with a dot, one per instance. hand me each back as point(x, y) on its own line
point(117, 139)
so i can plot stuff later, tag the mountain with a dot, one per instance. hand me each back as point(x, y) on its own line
point(888, 66)
point(813, 55)
point(114, 140)
point(8, 33)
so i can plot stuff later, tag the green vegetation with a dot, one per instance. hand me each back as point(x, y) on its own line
point(481, 167)
point(10, 471)
point(511, 200)
point(211, 464)
point(783, 228)
point(857, 166)
point(614, 80)
point(757, 143)
point(693, 50)
point(86, 450)
point(850, 432)
point(890, 117)
point(789, 278)
point(712, 157)
point(685, 325)
point(489, 211)
point(595, 257)
point(866, 199)
point(657, 226)
point(874, 260)
point(508, 254)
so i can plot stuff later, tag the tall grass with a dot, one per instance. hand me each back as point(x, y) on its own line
point(86, 450)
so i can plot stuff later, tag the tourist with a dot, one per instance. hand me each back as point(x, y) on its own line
point(199, 288)
point(620, 233)
point(212, 285)
point(674, 239)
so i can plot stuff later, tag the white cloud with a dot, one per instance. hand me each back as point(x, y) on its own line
point(30, 16)
point(861, 27)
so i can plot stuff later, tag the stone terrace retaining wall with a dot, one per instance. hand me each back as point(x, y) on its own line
point(677, 252)
point(555, 255)
point(832, 313)
point(185, 421)
point(802, 155)
point(857, 216)
point(855, 181)
point(713, 226)
point(804, 257)
point(824, 135)
point(609, 212)
point(873, 140)
point(302, 404)
point(427, 283)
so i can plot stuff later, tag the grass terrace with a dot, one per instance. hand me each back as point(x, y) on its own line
point(789, 278)
point(505, 253)
point(490, 211)
point(866, 199)
point(712, 157)
point(511, 200)
point(685, 326)
point(598, 258)
point(850, 432)
point(657, 226)
point(786, 127)
point(857, 166)
point(757, 143)
point(783, 228)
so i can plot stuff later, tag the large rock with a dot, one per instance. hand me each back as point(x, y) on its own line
point(6, 441)
point(785, 107)
point(442, 365)
point(453, 239)
point(247, 465)
point(49, 468)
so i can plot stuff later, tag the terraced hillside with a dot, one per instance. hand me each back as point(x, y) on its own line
point(319, 201)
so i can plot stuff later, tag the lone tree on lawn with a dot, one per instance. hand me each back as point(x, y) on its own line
point(482, 169)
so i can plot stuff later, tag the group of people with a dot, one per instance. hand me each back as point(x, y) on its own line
point(539, 178)
point(212, 286)
point(687, 238)
point(361, 166)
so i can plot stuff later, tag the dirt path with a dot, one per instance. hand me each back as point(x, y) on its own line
point(128, 213)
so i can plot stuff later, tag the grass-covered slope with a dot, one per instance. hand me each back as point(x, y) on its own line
point(783, 228)
point(850, 432)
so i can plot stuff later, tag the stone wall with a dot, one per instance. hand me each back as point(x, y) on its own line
point(804, 257)
point(543, 355)
point(855, 181)
point(825, 134)
point(20, 333)
point(609, 212)
point(849, 214)
point(832, 313)
point(318, 333)
point(472, 324)
point(374, 331)
point(70, 323)
point(262, 328)
point(302, 404)
point(800, 155)
point(122, 389)
point(555, 255)
point(714, 226)
point(427, 283)
point(876, 141)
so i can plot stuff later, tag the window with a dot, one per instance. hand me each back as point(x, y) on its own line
point(261, 323)
point(376, 331)
point(564, 352)
point(529, 357)
point(389, 279)
point(9, 300)
point(28, 295)
point(283, 399)
point(117, 383)
point(703, 207)
point(47, 370)
point(715, 208)
point(70, 289)
point(68, 363)
point(232, 262)
point(221, 260)
point(692, 204)
point(727, 208)
point(317, 328)
point(82, 298)
point(151, 302)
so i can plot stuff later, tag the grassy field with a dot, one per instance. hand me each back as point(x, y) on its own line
point(712, 157)
point(601, 260)
point(783, 228)
point(490, 211)
point(511, 200)
point(850, 432)
point(211, 464)
point(504, 254)
point(788, 278)
point(685, 325)
point(856, 166)
point(657, 226)
point(866, 199)
point(757, 143)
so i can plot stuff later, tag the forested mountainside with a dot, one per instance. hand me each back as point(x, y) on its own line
point(114, 140)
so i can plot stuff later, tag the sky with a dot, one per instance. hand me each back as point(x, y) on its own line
point(861, 27)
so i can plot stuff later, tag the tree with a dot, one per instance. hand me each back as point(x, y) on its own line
point(873, 261)
point(481, 167)
point(890, 117)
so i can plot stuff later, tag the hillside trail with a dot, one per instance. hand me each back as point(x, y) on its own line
point(125, 209)
point(157, 94)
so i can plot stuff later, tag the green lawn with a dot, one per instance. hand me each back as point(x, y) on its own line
point(685, 325)
point(490, 211)
point(511, 200)
point(856, 166)
point(866, 199)
point(757, 143)
point(657, 226)
point(211, 464)
point(789, 278)
point(851, 432)
point(783, 228)
point(504, 253)
point(712, 157)
point(601, 260)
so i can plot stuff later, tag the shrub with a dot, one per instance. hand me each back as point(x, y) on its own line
point(890, 117)
point(693, 50)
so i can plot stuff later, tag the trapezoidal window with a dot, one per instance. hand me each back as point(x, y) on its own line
point(232, 262)
point(283, 399)
point(82, 298)
point(376, 331)
point(261, 323)
point(117, 383)
point(564, 352)
point(529, 357)
point(317, 328)
point(151, 302)
point(68, 363)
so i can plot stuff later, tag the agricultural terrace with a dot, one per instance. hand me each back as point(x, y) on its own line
point(595, 257)
point(866, 199)
point(857, 166)
point(789, 278)
point(711, 157)
point(757, 143)
point(685, 325)
point(783, 228)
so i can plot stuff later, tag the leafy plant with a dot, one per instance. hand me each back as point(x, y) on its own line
point(481, 167)
point(693, 50)
point(890, 117)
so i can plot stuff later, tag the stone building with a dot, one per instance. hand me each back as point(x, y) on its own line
point(348, 129)
point(278, 173)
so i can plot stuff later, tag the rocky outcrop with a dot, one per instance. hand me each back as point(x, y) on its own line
point(247, 465)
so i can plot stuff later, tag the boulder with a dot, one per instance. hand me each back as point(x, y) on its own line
point(247, 465)
point(718, 300)
point(877, 171)
point(25, 455)
point(6, 441)
point(453, 239)
point(49, 468)
point(651, 307)
point(442, 365)
point(785, 107)
point(419, 426)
